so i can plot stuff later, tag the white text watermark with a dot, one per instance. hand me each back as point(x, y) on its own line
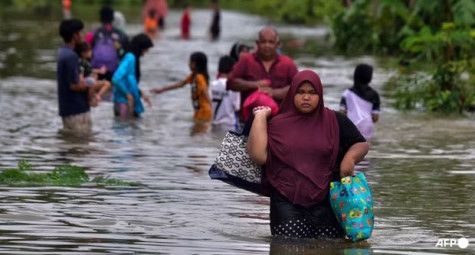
point(462, 243)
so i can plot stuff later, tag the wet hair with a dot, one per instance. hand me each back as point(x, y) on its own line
point(201, 64)
point(68, 28)
point(138, 44)
point(107, 14)
point(226, 64)
point(236, 49)
point(363, 74)
point(81, 48)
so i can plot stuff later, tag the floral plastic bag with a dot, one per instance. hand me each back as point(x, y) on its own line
point(352, 204)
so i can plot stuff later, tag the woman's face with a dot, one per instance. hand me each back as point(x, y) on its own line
point(306, 99)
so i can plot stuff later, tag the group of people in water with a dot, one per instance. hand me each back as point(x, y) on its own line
point(302, 144)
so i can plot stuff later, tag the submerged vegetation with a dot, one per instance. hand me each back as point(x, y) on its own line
point(63, 175)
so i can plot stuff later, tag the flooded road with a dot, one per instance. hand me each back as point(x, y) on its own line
point(421, 169)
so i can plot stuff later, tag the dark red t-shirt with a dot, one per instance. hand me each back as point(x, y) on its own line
point(185, 25)
point(250, 68)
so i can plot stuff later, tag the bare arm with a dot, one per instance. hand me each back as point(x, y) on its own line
point(280, 93)
point(146, 98)
point(176, 85)
point(375, 117)
point(355, 154)
point(257, 141)
point(277, 94)
point(78, 87)
point(239, 84)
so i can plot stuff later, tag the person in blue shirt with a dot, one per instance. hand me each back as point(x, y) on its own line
point(125, 81)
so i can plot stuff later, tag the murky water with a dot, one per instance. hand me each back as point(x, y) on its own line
point(421, 169)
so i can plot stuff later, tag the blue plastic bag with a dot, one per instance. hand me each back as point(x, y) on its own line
point(352, 204)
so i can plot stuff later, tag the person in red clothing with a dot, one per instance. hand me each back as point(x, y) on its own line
point(185, 23)
point(263, 70)
point(303, 148)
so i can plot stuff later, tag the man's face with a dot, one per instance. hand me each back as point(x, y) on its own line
point(267, 44)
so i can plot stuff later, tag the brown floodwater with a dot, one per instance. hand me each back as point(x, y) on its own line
point(421, 169)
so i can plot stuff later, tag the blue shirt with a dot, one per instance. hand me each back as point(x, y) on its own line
point(70, 102)
point(125, 82)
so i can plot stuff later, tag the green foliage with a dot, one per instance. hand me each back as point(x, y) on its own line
point(63, 175)
point(439, 34)
point(450, 51)
point(423, 90)
point(287, 11)
point(464, 12)
point(352, 29)
point(367, 27)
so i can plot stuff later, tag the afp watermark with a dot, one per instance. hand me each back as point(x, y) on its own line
point(462, 243)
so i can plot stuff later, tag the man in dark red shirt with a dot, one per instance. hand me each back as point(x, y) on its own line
point(264, 70)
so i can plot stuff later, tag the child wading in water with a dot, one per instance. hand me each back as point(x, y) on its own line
point(361, 102)
point(127, 94)
point(199, 80)
point(226, 103)
point(151, 24)
point(88, 75)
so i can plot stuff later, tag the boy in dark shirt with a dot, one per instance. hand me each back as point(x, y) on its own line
point(215, 28)
point(72, 94)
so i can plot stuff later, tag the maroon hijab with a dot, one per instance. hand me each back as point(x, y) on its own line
point(302, 148)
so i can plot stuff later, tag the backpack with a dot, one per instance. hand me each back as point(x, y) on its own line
point(104, 52)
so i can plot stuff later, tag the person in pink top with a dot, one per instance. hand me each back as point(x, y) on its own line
point(263, 70)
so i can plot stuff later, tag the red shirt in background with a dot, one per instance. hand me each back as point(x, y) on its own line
point(250, 68)
point(185, 25)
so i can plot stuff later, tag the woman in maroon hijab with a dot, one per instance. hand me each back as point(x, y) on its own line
point(303, 148)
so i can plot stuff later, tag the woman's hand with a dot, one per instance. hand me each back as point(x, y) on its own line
point(262, 110)
point(147, 99)
point(347, 167)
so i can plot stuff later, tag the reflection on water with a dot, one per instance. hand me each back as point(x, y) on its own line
point(421, 169)
point(279, 246)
